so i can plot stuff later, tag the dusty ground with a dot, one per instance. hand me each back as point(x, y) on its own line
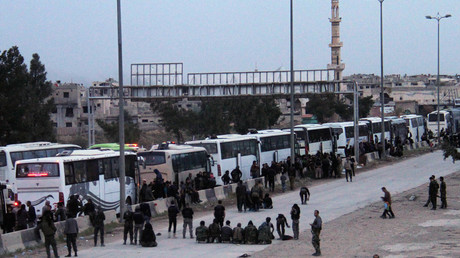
point(415, 232)
point(339, 236)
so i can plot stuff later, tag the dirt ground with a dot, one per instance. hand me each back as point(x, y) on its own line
point(416, 231)
point(338, 238)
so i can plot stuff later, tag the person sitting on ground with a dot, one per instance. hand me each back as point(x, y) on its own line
point(268, 203)
point(250, 234)
point(202, 233)
point(238, 234)
point(265, 233)
point(215, 231)
point(148, 238)
point(227, 233)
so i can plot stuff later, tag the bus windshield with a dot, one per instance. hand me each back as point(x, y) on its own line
point(37, 170)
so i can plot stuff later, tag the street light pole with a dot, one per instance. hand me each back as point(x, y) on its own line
point(292, 86)
point(382, 102)
point(121, 121)
point(438, 18)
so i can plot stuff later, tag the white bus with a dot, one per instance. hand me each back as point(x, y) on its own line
point(174, 162)
point(375, 126)
point(313, 138)
point(344, 134)
point(416, 126)
point(229, 151)
point(398, 129)
point(449, 120)
point(274, 145)
point(11, 153)
point(93, 176)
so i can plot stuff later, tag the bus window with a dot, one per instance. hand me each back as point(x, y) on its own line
point(40, 154)
point(69, 175)
point(80, 171)
point(434, 117)
point(211, 148)
point(51, 152)
point(115, 167)
point(37, 170)
point(2, 159)
point(130, 166)
point(107, 168)
point(92, 170)
point(414, 122)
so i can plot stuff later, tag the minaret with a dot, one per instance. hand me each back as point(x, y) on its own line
point(336, 45)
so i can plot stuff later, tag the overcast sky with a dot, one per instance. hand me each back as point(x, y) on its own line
point(77, 40)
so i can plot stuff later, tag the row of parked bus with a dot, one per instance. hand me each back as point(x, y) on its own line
point(43, 171)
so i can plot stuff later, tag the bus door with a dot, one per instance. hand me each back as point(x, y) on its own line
point(275, 156)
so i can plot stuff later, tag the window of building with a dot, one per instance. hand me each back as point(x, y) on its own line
point(69, 112)
point(99, 104)
point(68, 124)
point(66, 95)
point(145, 120)
point(85, 109)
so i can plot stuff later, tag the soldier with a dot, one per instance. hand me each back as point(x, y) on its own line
point(236, 174)
point(316, 227)
point(304, 194)
point(227, 233)
point(241, 196)
point(250, 233)
point(187, 214)
point(128, 227)
point(238, 237)
point(295, 216)
point(443, 193)
point(434, 186)
point(219, 213)
point(172, 216)
point(256, 193)
point(99, 225)
point(265, 232)
point(215, 231)
point(201, 233)
point(138, 218)
point(49, 229)
point(281, 221)
point(348, 169)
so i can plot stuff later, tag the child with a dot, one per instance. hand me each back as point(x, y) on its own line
point(283, 181)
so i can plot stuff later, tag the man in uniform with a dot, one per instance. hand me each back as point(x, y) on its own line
point(187, 214)
point(238, 237)
point(250, 233)
point(227, 233)
point(215, 231)
point(265, 232)
point(201, 233)
point(443, 193)
point(219, 213)
point(434, 186)
point(241, 196)
point(316, 227)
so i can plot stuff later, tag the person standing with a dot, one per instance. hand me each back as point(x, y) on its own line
point(434, 186)
point(241, 196)
point(304, 194)
point(9, 221)
point(99, 225)
point(271, 173)
point(21, 218)
point(138, 219)
point(429, 192)
point(49, 229)
point(316, 227)
point(348, 172)
point(172, 216)
point(387, 200)
point(146, 194)
point(443, 193)
point(226, 178)
point(60, 214)
point(283, 181)
point(254, 170)
point(187, 214)
point(71, 231)
point(219, 213)
point(31, 215)
point(128, 226)
point(236, 174)
point(295, 216)
point(256, 196)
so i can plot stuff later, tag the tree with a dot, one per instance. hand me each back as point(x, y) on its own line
point(25, 103)
point(216, 116)
point(322, 105)
point(111, 130)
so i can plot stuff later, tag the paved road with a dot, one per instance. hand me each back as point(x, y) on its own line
point(333, 199)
